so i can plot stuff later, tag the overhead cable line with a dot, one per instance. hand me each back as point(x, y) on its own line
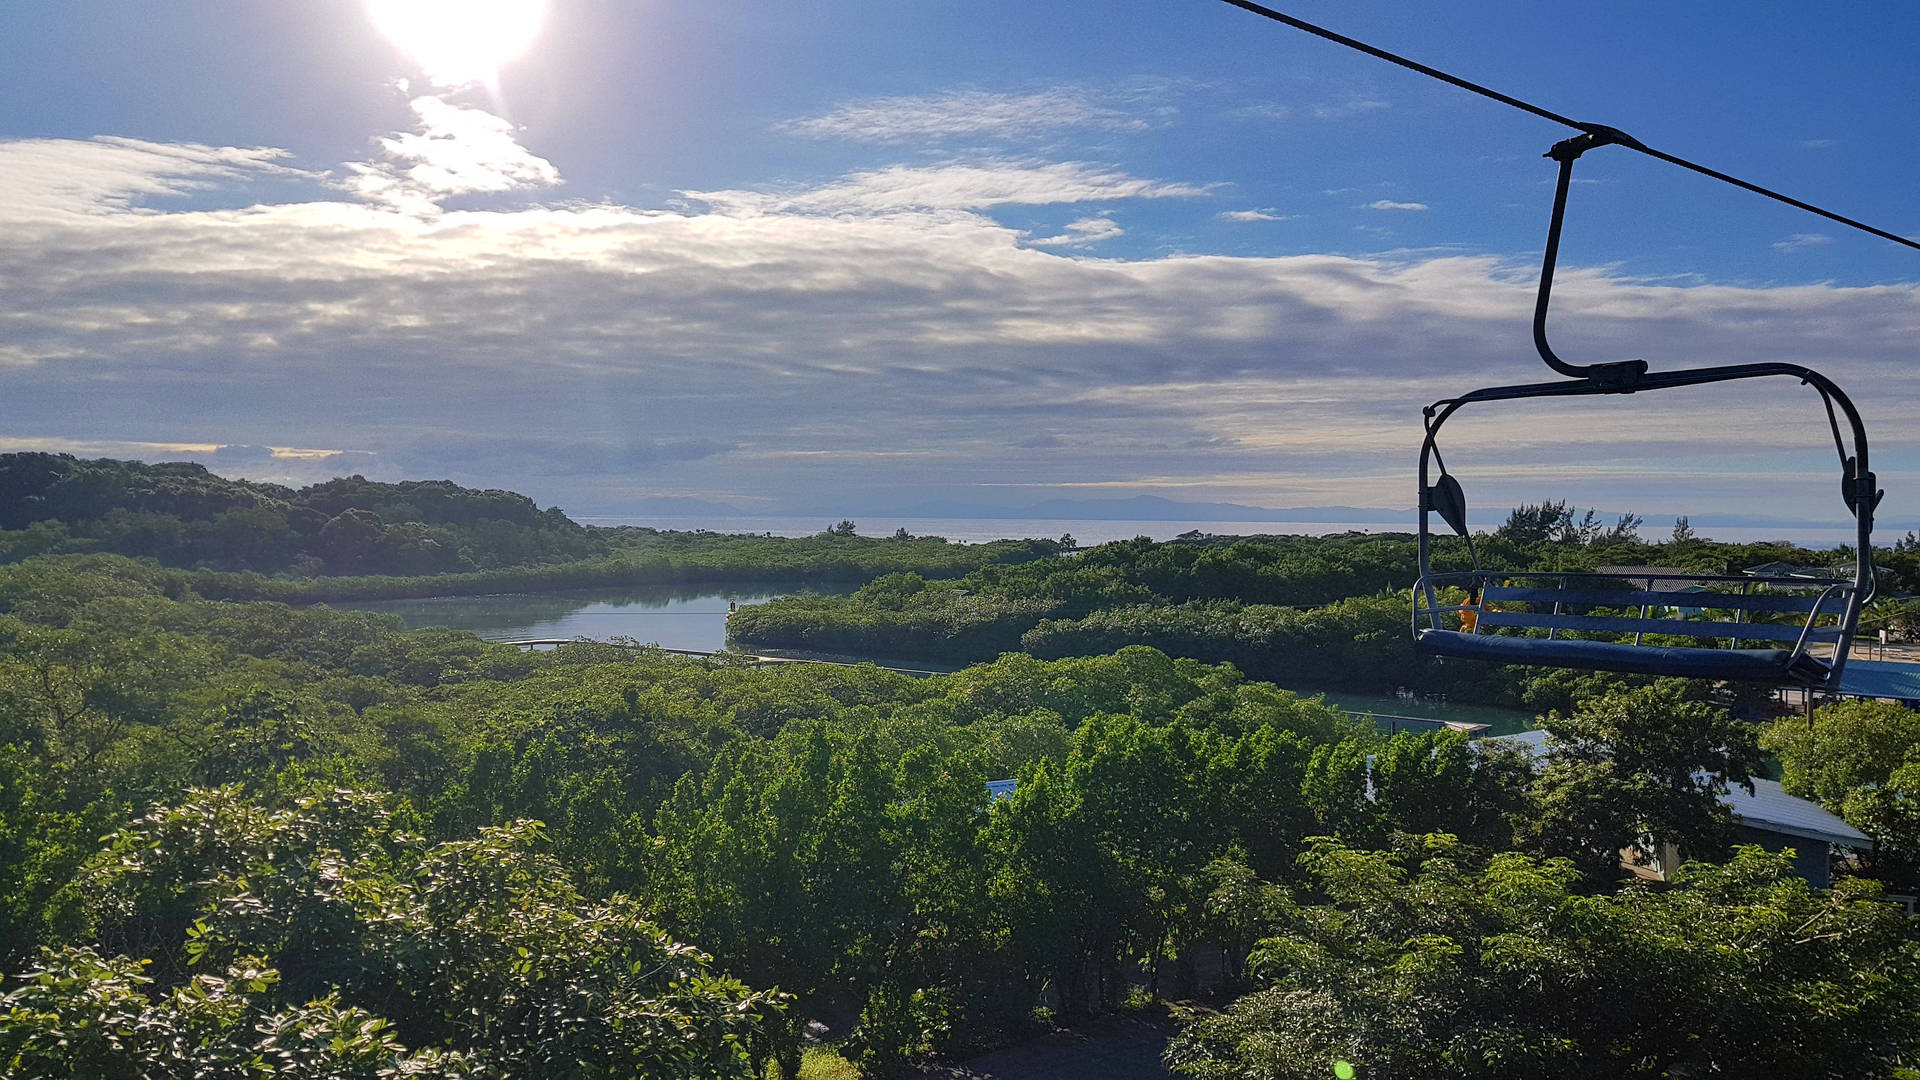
point(1611, 135)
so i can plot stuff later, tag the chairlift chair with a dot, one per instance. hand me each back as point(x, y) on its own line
point(1762, 629)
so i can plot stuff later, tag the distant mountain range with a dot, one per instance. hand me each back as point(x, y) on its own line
point(1158, 508)
point(1153, 508)
point(680, 506)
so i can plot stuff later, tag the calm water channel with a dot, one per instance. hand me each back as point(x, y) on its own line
point(690, 616)
point(694, 616)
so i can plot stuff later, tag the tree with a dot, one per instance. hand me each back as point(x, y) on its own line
point(83, 1015)
point(783, 861)
point(1624, 531)
point(845, 528)
point(1536, 524)
point(1555, 522)
point(350, 543)
point(1683, 530)
point(1649, 760)
point(1421, 962)
point(1438, 782)
point(328, 924)
point(1861, 760)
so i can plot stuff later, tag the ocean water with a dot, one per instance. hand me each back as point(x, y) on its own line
point(1088, 533)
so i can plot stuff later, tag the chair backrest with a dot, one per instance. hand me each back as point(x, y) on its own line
point(1767, 612)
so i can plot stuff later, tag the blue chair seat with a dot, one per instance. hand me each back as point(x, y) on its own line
point(1765, 665)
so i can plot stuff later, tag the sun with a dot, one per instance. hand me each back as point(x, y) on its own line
point(458, 42)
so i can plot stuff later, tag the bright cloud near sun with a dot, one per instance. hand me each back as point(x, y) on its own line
point(456, 150)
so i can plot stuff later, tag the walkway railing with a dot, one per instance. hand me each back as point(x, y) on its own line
point(1394, 725)
point(534, 643)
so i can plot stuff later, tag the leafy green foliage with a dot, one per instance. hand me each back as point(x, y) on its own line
point(341, 941)
point(355, 538)
point(1422, 962)
point(1322, 611)
point(1652, 760)
point(78, 1014)
point(183, 515)
point(1554, 522)
point(338, 848)
point(1860, 759)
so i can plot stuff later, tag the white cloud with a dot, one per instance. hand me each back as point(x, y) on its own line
point(1084, 232)
point(1389, 204)
point(45, 178)
point(1802, 241)
point(589, 354)
point(1342, 110)
point(953, 186)
point(271, 464)
point(456, 150)
point(1325, 110)
point(973, 114)
point(1266, 214)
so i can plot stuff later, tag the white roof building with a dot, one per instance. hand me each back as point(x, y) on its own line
point(1769, 817)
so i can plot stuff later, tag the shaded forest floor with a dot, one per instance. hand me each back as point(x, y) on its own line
point(1110, 1048)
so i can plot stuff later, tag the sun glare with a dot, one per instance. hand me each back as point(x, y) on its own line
point(457, 42)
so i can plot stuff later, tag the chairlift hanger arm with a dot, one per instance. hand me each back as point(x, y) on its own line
point(1623, 373)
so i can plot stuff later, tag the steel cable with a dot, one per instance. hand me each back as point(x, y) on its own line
point(1549, 114)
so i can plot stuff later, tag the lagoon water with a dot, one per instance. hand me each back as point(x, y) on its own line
point(694, 616)
point(689, 616)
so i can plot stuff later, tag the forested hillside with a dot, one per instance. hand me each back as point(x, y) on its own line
point(353, 538)
point(182, 515)
point(333, 848)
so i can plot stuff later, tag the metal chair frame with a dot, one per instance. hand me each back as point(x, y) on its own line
point(1442, 494)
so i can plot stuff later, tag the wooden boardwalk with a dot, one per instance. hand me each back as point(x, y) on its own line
point(535, 643)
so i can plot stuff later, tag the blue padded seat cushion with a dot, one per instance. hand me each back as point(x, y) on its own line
point(1769, 665)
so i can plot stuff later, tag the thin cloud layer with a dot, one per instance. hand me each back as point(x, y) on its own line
point(958, 185)
point(877, 338)
point(52, 179)
point(969, 114)
point(1802, 241)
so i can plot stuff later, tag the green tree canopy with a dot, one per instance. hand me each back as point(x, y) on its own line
point(1419, 963)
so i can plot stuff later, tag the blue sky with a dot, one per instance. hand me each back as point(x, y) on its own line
point(843, 257)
